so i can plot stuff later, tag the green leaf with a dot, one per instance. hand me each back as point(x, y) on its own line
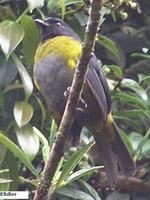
point(104, 11)
point(4, 171)
point(27, 82)
point(141, 55)
point(30, 40)
point(130, 113)
point(143, 78)
point(115, 69)
point(53, 132)
point(45, 152)
point(69, 2)
point(88, 188)
point(43, 140)
point(74, 193)
point(82, 18)
point(78, 174)
point(5, 178)
point(62, 5)
point(32, 4)
point(18, 153)
point(11, 34)
point(8, 71)
point(133, 85)
point(53, 6)
point(43, 111)
point(3, 151)
point(146, 149)
point(72, 162)
point(124, 97)
point(14, 170)
point(28, 140)
point(131, 122)
point(13, 86)
point(135, 138)
point(126, 140)
point(109, 44)
point(23, 112)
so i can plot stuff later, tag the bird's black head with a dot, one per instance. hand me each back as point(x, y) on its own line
point(52, 27)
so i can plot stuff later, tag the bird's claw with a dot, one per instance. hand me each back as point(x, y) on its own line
point(67, 92)
point(83, 105)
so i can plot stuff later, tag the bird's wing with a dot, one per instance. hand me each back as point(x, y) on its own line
point(98, 85)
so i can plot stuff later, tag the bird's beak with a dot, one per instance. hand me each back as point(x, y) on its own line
point(41, 23)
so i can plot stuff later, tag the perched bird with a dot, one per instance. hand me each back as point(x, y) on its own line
point(55, 62)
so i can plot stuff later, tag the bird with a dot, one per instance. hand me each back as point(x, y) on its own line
point(54, 65)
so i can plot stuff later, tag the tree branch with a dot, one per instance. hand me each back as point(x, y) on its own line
point(76, 87)
point(130, 184)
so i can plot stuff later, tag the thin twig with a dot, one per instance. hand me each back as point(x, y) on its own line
point(75, 90)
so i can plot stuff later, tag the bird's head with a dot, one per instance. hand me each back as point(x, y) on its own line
point(53, 27)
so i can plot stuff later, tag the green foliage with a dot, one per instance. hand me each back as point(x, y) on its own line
point(29, 131)
point(71, 164)
point(11, 35)
point(109, 44)
point(18, 153)
point(23, 112)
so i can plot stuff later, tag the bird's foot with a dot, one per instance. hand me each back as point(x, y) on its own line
point(82, 105)
point(67, 92)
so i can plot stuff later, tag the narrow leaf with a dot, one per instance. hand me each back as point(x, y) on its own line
point(41, 136)
point(141, 55)
point(130, 113)
point(126, 140)
point(78, 174)
point(3, 152)
point(74, 193)
point(3, 180)
point(87, 187)
point(43, 140)
point(131, 122)
point(62, 5)
point(72, 162)
point(109, 44)
point(18, 153)
point(124, 97)
point(69, 2)
point(135, 138)
point(53, 132)
point(27, 82)
point(133, 85)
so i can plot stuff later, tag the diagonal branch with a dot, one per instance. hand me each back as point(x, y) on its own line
point(68, 117)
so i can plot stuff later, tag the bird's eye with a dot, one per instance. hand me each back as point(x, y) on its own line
point(58, 24)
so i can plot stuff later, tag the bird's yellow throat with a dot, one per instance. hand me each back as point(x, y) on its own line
point(67, 47)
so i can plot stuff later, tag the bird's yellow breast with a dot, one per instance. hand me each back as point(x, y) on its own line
point(68, 48)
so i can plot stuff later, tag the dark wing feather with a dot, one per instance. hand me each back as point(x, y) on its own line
point(99, 87)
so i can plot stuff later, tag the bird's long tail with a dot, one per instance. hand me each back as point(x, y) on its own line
point(113, 151)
